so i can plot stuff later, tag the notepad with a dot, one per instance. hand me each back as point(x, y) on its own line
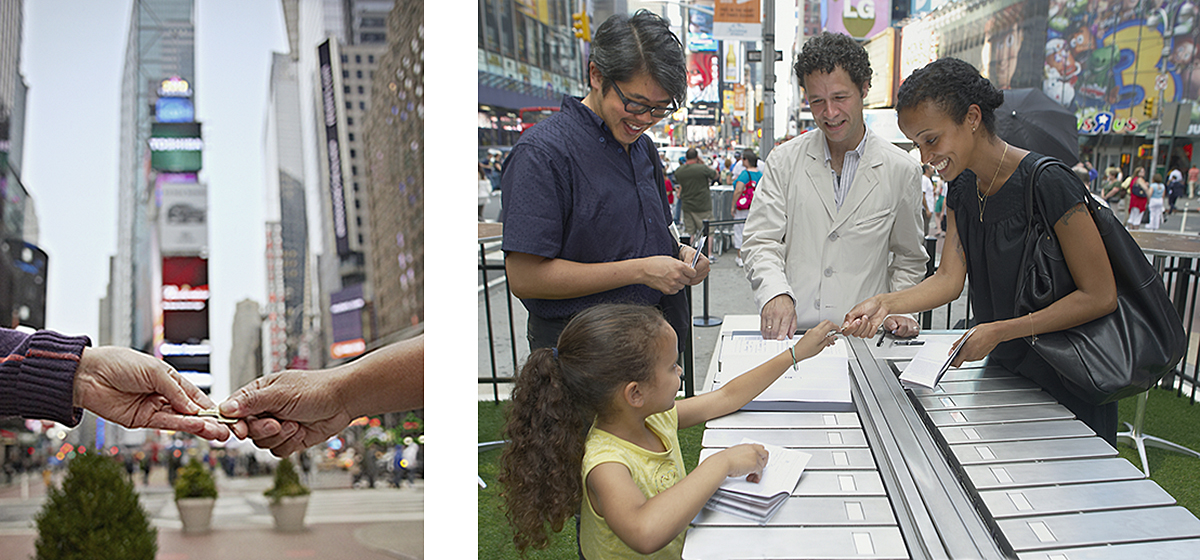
point(932, 362)
point(758, 501)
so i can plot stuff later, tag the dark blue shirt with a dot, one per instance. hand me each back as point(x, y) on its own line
point(570, 191)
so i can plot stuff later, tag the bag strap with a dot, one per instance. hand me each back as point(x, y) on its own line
point(1043, 163)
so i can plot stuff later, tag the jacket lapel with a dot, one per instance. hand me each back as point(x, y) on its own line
point(819, 178)
point(866, 179)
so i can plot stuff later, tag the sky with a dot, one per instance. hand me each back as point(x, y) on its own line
point(72, 57)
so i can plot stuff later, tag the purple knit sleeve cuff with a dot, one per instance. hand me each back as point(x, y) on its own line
point(46, 378)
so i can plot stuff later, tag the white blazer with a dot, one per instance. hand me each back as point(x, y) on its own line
point(797, 241)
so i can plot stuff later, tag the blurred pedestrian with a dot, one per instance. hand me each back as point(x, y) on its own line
point(694, 180)
point(492, 167)
point(1193, 177)
point(1155, 203)
point(929, 197)
point(1111, 190)
point(743, 196)
point(408, 459)
point(1137, 187)
point(484, 190)
point(1175, 189)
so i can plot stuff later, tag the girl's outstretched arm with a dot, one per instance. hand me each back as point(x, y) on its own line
point(647, 525)
point(743, 388)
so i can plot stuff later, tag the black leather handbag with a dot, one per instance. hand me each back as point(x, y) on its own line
point(1120, 354)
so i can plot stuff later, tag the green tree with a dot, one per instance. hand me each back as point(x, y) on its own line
point(96, 515)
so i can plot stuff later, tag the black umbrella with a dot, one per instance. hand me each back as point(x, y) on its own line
point(1032, 120)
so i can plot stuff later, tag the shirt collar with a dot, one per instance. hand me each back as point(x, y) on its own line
point(860, 150)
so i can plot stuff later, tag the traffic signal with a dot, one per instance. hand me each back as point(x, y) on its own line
point(1148, 107)
point(758, 112)
point(583, 29)
point(1145, 150)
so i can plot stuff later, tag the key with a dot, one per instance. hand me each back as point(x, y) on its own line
point(217, 416)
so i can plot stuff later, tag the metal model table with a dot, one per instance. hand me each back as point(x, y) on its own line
point(984, 466)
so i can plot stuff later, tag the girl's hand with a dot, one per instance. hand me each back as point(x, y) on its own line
point(815, 340)
point(747, 459)
point(984, 338)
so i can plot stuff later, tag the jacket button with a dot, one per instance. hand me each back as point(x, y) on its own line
point(829, 272)
point(833, 236)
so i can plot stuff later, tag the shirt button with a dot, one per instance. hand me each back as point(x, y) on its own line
point(833, 236)
point(829, 272)
point(816, 304)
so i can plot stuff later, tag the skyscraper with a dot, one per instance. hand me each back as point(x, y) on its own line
point(161, 44)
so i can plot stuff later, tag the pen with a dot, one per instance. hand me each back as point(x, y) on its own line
point(696, 256)
point(881, 335)
point(909, 342)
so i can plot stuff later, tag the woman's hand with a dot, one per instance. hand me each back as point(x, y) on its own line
point(866, 318)
point(984, 338)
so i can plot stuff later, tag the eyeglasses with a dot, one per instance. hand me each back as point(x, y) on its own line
point(635, 108)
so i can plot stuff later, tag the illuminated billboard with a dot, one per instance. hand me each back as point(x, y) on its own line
point(176, 146)
point(183, 217)
point(333, 150)
point(345, 310)
point(174, 110)
point(185, 299)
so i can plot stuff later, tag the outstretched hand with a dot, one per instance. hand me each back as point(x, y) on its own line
point(287, 411)
point(137, 390)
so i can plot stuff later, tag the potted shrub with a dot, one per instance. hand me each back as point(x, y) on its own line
point(195, 495)
point(96, 514)
point(288, 498)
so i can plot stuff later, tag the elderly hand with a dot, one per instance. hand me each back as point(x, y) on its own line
point(901, 326)
point(304, 409)
point(136, 390)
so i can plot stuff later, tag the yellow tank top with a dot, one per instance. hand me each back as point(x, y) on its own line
point(652, 472)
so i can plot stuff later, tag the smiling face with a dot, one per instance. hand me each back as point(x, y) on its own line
point(837, 106)
point(945, 145)
point(625, 126)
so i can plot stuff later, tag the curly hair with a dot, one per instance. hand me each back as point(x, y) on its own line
point(554, 402)
point(953, 86)
point(827, 52)
point(625, 46)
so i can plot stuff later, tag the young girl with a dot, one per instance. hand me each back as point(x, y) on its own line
point(615, 370)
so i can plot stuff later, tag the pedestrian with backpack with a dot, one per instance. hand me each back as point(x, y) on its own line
point(743, 195)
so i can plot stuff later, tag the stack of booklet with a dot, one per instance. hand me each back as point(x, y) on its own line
point(758, 501)
point(820, 383)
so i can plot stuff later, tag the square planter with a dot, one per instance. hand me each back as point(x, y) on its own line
point(289, 513)
point(196, 514)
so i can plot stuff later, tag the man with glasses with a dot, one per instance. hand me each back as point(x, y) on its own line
point(586, 219)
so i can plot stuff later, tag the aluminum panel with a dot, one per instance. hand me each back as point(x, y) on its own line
point(810, 511)
point(1000, 414)
point(1044, 500)
point(808, 437)
point(784, 420)
point(1107, 527)
point(840, 483)
point(1017, 475)
point(1022, 431)
point(800, 543)
point(1159, 550)
point(1040, 450)
point(852, 458)
point(982, 400)
point(978, 386)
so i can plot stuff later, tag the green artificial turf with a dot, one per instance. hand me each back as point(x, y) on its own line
point(1167, 416)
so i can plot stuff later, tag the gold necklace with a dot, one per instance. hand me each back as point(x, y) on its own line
point(983, 195)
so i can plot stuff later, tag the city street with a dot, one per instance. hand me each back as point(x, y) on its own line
point(343, 523)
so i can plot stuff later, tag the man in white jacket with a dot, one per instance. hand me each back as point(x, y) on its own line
point(837, 215)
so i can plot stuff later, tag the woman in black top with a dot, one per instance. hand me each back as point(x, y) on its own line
point(947, 109)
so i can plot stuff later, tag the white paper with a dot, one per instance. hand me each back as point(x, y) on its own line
point(931, 362)
point(824, 378)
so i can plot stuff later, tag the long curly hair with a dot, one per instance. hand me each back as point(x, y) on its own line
point(555, 401)
point(953, 86)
